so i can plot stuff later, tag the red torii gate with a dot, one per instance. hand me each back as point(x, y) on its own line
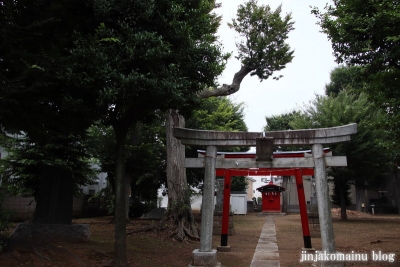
point(297, 172)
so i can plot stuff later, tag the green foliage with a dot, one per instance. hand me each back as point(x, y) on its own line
point(34, 40)
point(262, 47)
point(366, 152)
point(106, 197)
point(345, 78)
point(363, 35)
point(239, 183)
point(145, 152)
point(22, 167)
point(327, 111)
point(280, 122)
point(362, 32)
point(36, 102)
point(149, 64)
point(219, 114)
point(215, 113)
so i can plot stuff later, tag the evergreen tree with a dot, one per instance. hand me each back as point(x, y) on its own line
point(36, 103)
point(345, 108)
point(141, 57)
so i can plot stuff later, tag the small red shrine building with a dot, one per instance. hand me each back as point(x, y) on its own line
point(271, 197)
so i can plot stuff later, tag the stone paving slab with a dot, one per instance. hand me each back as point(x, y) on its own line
point(271, 247)
point(267, 236)
point(266, 256)
point(267, 239)
point(265, 263)
point(266, 253)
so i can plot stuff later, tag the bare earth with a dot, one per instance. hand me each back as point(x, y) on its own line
point(362, 233)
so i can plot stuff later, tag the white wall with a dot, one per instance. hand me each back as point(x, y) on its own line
point(101, 183)
point(195, 201)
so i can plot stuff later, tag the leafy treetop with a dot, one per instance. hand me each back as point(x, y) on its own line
point(262, 49)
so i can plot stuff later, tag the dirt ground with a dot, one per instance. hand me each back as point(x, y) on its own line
point(362, 233)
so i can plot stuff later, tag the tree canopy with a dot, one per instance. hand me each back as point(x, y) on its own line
point(364, 35)
point(34, 40)
point(141, 57)
point(219, 114)
point(363, 32)
point(345, 108)
point(37, 105)
point(280, 122)
point(345, 78)
point(262, 47)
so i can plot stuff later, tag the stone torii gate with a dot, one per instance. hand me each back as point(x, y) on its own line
point(264, 142)
point(298, 173)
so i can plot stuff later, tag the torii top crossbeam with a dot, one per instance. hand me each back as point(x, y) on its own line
point(296, 137)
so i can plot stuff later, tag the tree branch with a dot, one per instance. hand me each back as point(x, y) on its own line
point(226, 89)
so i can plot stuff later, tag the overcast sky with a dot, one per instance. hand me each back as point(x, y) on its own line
point(304, 77)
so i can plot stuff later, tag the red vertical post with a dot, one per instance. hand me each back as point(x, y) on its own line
point(225, 210)
point(303, 209)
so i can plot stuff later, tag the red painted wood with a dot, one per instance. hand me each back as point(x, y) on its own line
point(263, 172)
point(302, 203)
point(225, 209)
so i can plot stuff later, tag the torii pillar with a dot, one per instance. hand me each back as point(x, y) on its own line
point(324, 205)
point(206, 256)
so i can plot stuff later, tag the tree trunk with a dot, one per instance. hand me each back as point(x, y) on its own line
point(342, 195)
point(128, 191)
point(360, 199)
point(55, 197)
point(179, 217)
point(397, 188)
point(227, 89)
point(120, 258)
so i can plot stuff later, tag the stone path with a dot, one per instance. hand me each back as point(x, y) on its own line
point(266, 254)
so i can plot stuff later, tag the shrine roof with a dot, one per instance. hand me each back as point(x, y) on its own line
point(271, 187)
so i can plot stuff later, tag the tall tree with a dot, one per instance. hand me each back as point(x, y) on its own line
point(363, 34)
point(142, 57)
point(328, 111)
point(144, 162)
point(213, 114)
point(345, 78)
point(262, 49)
point(34, 40)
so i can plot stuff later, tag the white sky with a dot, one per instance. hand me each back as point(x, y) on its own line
point(304, 77)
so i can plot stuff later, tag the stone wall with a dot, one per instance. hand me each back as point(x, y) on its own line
point(24, 207)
